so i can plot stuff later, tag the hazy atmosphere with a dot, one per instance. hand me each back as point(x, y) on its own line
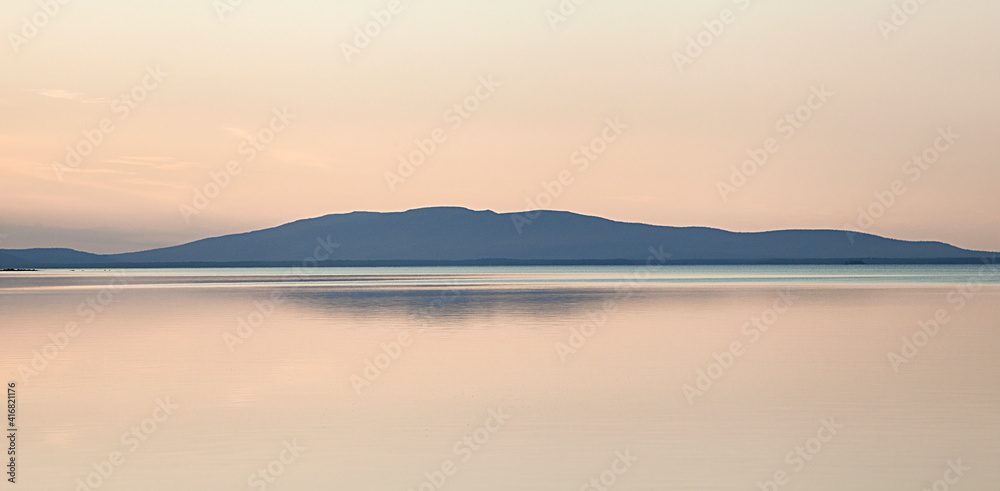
point(115, 116)
point(494, 245)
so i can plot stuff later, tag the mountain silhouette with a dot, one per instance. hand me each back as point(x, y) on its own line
point(447, 235)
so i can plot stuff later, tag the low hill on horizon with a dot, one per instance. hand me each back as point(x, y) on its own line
point(448, 235)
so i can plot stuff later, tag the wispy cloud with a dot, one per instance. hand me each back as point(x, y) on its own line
point(67, 95)
point(102, 171)
point(39, 170)
point(141, 181)
point(159, 163)
point(236, 131)
point(35, 170)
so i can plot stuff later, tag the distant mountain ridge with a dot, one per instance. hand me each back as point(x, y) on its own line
point(447, 235)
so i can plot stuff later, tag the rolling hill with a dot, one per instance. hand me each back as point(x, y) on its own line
point(462, 236)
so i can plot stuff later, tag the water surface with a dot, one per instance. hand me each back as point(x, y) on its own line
point(379, 378)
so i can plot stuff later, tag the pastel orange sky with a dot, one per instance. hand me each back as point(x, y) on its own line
point(532, 84)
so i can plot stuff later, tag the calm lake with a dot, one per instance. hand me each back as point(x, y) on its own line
point(521, 378)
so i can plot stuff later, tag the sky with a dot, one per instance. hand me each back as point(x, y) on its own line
point(132, 125)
